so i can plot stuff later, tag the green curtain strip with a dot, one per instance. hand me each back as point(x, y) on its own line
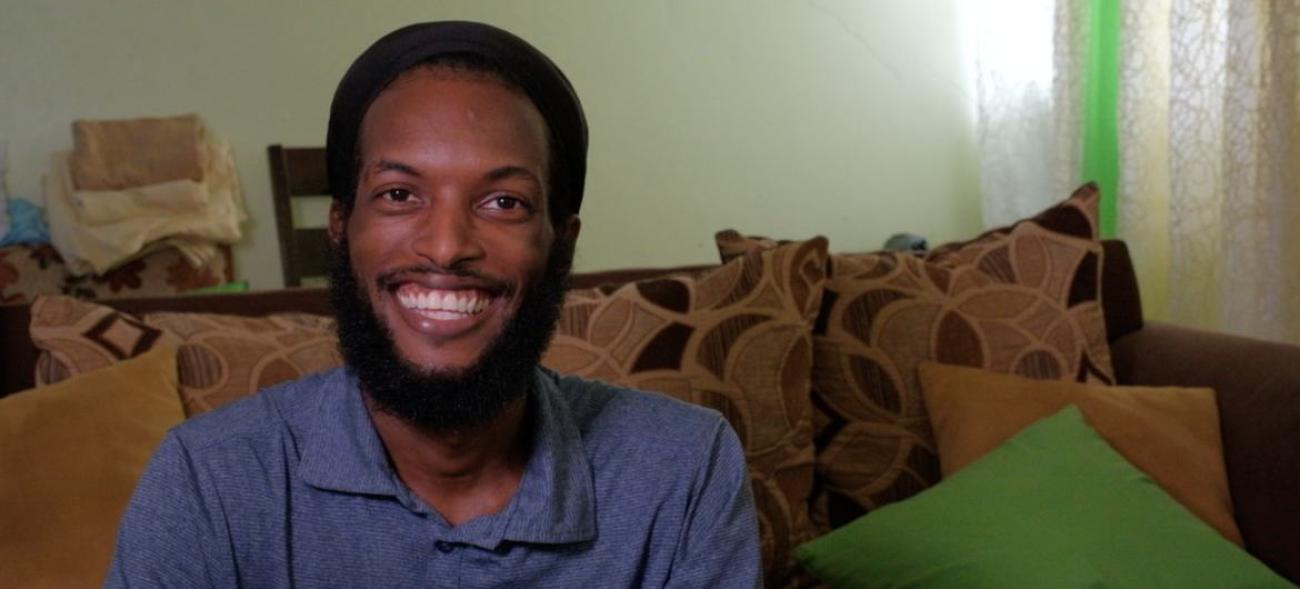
point(1100, 108)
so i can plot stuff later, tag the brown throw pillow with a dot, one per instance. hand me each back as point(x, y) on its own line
point(1170, 433)
point(70, 456)
point(736, 339)
point(220, 358)
point(1022, 299)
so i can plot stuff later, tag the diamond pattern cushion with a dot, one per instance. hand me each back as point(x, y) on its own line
point(220, 358)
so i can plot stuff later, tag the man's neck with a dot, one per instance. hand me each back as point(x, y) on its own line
point(465, 473)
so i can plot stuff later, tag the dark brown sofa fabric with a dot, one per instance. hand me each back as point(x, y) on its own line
point(1258, 386)
point(1121, 300)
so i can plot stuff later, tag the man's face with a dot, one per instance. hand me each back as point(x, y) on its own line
point(449, 228)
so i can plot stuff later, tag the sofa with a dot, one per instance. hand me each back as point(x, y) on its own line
point(747, 337)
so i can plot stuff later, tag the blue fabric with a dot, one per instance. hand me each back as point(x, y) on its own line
point(292, 487)
point(25, 224)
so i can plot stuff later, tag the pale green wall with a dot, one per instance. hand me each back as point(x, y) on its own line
point(845, 118)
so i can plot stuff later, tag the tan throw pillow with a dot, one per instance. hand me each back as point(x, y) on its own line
point(70, 456)
point(1022, 299)
point(736, 339)
point(1170, 433)
point(220, 358)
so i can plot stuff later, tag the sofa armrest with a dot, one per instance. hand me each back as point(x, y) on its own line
point(1258, 389)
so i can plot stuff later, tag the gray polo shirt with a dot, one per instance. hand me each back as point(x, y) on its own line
point(292, 488)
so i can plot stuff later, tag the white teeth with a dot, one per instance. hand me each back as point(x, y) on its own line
point(461, 302)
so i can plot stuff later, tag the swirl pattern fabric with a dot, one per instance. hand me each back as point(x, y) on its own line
point(1023, 299)
point(736, 339)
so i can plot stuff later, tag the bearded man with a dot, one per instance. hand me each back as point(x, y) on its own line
point(442, 454)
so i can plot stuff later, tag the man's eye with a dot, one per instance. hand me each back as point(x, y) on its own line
point(396, 195)
point(506, 203)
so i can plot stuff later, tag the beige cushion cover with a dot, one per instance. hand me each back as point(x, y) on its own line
point(1171, 434)
point(70, 456)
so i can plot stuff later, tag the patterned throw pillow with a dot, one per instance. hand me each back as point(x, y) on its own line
point(28, 269)
point(1024, 300)
point(161, 273)
point(736, 339)
point(220, 358)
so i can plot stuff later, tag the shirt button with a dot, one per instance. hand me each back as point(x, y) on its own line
point(444, 547)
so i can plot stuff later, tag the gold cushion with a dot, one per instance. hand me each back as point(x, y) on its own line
point(1170, 433)
point(70, 456)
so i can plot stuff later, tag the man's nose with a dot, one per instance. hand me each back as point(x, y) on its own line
point(447, 236)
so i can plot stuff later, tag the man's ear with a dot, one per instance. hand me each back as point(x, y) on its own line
point(338, 222)
point(569, 230)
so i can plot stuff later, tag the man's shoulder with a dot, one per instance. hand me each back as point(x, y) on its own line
point(269, 412)
point(603, 410)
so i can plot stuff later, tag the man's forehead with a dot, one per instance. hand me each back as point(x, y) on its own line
point(460, 49)
point(431, 116)
point(477, 99)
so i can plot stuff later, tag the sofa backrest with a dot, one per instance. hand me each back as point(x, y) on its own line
point(1121, 304)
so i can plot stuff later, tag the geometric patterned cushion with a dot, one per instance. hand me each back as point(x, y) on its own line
point(220, 358)
point(1023, 299)
point(736, 339)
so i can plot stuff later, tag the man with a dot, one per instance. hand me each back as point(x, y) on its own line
point(442, 454)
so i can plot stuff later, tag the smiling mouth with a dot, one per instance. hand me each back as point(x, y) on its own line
point(443, 304)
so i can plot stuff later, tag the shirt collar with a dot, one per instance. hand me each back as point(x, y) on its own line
point(555, 502)
point(341, 449)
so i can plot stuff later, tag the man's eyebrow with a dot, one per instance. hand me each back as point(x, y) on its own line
point(520, 172)
point(390, 165)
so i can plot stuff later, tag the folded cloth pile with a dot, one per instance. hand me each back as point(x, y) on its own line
point(131, 187)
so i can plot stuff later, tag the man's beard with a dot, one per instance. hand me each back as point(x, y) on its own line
point(446, 400)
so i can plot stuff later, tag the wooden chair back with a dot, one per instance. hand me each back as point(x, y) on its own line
point(298, 172)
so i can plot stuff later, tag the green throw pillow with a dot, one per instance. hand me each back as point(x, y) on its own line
point(1054, 506)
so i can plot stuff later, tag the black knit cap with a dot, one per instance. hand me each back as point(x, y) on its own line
point(400, 50)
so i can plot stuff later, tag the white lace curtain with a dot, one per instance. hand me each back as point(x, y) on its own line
point(1027, 83)
point(1210, 151)
point(1209, 132)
